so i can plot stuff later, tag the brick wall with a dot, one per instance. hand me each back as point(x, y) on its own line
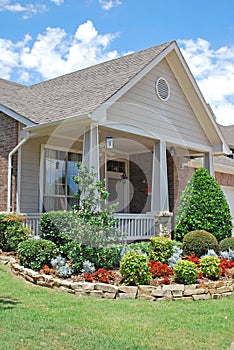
point(8, 140)
point(225, 179)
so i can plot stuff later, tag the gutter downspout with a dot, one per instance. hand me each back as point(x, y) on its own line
point(10, 166)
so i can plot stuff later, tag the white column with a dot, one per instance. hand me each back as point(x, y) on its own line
point(209, 163)
point(91, 149)
point(159, 198)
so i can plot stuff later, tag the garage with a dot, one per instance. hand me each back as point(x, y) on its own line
point(229, 193)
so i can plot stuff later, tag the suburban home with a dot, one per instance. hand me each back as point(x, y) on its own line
point(139, 120)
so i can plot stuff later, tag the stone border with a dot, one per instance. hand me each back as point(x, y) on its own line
point(203, 291)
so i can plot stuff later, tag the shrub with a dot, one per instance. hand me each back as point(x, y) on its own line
point(142, 247)
point(210, 267)
point(185, 272)
point(159, 269)
point(12, 231)
point(55, 225)
point(34, 253)
point(198, 242)
point(73, 252)
point(134, 269)
point(161, 249)
point(226, 243)
point(203, 206)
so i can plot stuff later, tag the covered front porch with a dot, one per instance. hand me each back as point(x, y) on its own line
point(135, 168)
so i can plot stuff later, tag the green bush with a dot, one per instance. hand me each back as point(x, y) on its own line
point(142, 247)
point(226, 244)
point(12, 231)
point(34, 253)
point(134, 269)
point(203, 206)
point(72, 251)
point(161, 249)
point(198, 242)
point(55, 225)
point(185, 272)
point(210, 267)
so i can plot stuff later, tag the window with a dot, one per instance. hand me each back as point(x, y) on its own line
point(59, 187)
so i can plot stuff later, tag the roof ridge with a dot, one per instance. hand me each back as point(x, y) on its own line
point(166, 44)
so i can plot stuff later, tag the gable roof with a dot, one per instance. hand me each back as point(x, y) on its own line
point(228, 132)
point(77, 93)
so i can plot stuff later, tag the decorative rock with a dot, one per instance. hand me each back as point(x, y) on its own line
point(177, 293)
point(88, 286)
point(109, 295)
point(128, 289)
point(173, 287)
point(225, 289)
point(106, 287)
point(158, 292)
point(127, 295)
point(194, 291)
point(145, 297)
point(96, 293)
point(201, 296)
point(145, 290)
point(77, 286)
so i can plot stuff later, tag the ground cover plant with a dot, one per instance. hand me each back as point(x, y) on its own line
point(37, 318)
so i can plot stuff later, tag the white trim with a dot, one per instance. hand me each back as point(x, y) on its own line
point(16, 116)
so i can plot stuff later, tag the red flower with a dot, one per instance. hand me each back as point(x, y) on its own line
point(195, 259)
point(159, 269)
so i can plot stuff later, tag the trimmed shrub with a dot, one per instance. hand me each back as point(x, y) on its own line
point(142, 247)
point(161, 249)
point(134, 269)
point(34, 253)
point(226, 244)
point(185, 272)
point(12, 231)
point(210, 267)
point(203, 206)
point(73, 252)
point(199, 242)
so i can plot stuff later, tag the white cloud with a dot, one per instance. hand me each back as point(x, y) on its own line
point(214, 73)
point(109, 4)
point(27, 10)
point(57, 2)
point(54, 53)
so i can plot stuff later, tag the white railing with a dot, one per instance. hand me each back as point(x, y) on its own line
point(136, 226)
point(32, 222)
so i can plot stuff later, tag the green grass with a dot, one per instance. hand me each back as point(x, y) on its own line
point(33, 317)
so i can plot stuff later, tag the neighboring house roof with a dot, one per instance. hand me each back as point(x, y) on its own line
point(228, 133)
point(76, 93)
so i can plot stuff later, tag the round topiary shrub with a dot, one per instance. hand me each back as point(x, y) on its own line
point(134, 269)
point(210, 267)
point(203, 206)
point(185, 272)
point(161, 249)
point(226, 244)
point(198, 242)
point(34, 253)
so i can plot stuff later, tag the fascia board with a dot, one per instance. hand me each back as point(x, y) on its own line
point(16, 116)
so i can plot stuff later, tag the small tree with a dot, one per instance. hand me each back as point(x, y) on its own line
point(97, 225)
point(203, 206)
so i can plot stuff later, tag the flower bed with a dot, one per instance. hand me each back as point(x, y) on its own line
point(202, 291)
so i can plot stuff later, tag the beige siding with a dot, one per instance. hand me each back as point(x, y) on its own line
point(30, 177)
point(171, 120)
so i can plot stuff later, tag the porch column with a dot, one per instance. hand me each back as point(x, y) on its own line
point(91, 149)
point(209, 163)
point(159, 198)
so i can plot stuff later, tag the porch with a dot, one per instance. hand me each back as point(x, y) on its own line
point(134, 226)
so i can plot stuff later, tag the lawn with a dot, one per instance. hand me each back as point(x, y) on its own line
point(33, 317)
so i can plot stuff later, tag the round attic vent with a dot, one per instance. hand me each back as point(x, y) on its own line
point(162, 89)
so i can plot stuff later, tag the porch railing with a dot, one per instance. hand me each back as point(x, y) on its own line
point(134, 226)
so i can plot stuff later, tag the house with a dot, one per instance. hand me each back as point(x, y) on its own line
point(138, 120)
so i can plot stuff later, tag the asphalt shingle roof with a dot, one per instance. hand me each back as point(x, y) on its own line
point(228, 133)
point(76, 93)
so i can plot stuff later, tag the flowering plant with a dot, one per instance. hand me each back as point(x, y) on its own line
point(158, 269)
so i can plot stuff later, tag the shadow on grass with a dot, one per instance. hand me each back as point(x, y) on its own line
point(7, 303)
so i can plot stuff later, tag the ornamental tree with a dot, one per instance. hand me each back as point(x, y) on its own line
point(203, 206)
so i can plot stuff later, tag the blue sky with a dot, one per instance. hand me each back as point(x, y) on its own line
point(43, 39)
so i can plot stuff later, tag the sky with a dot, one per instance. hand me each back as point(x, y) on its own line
point(42, 39)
